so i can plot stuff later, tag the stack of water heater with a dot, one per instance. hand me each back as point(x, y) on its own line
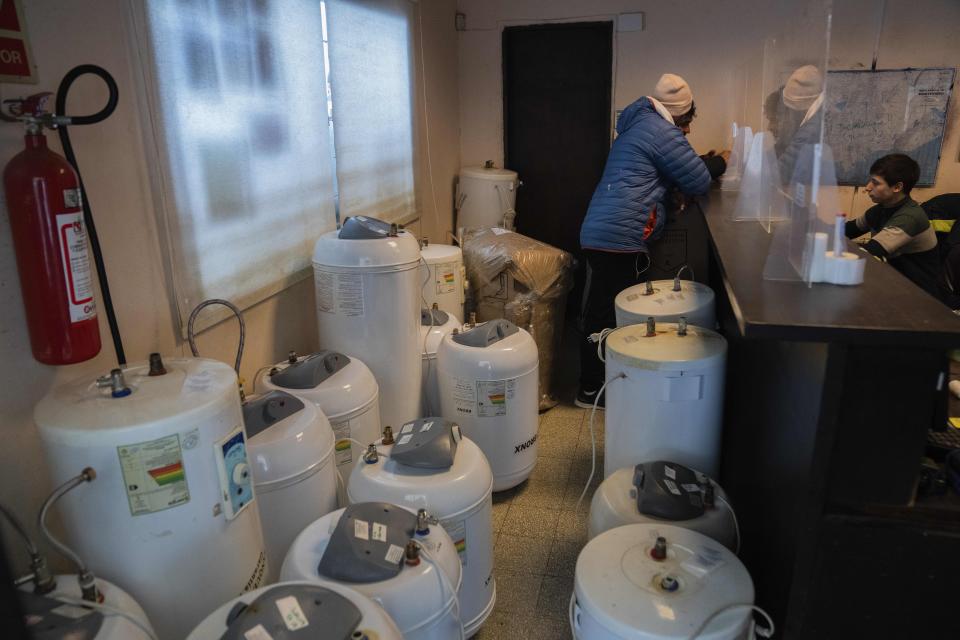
point(428, 464)
point(172, 515)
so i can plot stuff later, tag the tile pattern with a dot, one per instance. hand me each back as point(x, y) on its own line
point(538, 533)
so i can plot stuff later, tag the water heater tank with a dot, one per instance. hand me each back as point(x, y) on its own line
point(294, 473)
point(666, 301)
point(663, 492)
point(171, 516)
point(629, 585)
point(489, 386)
point(368, 305)
point(443, 278)
point(669, 403)
point(434, 325)
point(432, 467)
point(486, 197)
point(316, 609)
point(342, 388)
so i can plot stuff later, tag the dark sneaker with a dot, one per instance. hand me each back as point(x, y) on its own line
point(585, 399)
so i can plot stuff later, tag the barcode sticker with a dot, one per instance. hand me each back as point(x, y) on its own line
point(291, 613)
point(669, 472)
point(672, 486)
point(361, 529)
point(691, 487)
point(394, 553)
point(405, 439)
point(426, 426)
point(257, 633)
point(407, 428)
point(379, 532)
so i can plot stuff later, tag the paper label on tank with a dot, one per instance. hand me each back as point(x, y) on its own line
point(669, 472)
point(458, 532)
point(323, 284)
point(343, 447)
point(445, 277)
point(405, 439)
point(379, 532)
point(361, 529)
point(394, 554)
point(407, 428)
point(426, 426)
point(494, 396)
point(339, 293)
point(72, 235)
point(672, 486)
point(153, 475)
point(259, 573)
point(464, 396)
point(292, 614)
point(257, 633)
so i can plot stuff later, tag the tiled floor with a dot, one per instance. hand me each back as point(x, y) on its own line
point(538, 533)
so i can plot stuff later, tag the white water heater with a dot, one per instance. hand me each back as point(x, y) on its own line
point(58, 614)
point(667, 301)
point(486, 197)
point(335, 612)
point(367, 547)
point(342, 388)
point(368, 305)
point(430, 466)
point(664, 492)
point(659, 582)
point(291, 450)
point(173, 505)
point(443, 279)
point(488, 385)
point(434, 325)
point(668, 404)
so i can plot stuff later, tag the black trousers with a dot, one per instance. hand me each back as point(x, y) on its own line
point(610, 273)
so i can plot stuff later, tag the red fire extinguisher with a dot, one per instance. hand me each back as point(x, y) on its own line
point(50, 239)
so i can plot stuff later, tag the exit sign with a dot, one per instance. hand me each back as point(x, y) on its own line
point(16, 61)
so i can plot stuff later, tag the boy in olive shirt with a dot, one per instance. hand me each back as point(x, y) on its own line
point(900, 232)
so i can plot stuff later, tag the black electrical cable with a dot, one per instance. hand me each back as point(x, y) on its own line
point(103, 114)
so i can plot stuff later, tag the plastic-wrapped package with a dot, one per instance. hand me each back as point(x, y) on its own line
point(525, 281)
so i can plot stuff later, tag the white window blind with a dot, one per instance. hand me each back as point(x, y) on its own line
point(238, 112)
point(373, 85)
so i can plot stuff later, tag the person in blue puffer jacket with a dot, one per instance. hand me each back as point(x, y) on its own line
point(649, 162)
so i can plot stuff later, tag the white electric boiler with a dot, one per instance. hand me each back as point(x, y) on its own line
point(667, 301)
point(59, 614)
point(368, 304)
point(367, 547)
point(486, 197)
point(291, 450)
point(488, 385)
point(658, 581)
point(663, 492)
point(172, 516)
point(431, 466)
point(343, 389)
point(334, 611)
point(443, 278)
point(668, 404)
point(434, 325)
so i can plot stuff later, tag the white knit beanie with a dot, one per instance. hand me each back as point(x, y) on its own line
point(802, 88)
point(674, 93)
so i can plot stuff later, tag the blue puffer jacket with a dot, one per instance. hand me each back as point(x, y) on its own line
point(648, 157)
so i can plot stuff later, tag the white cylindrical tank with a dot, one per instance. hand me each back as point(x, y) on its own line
point(486, 197)
point(368, 304)
point(666, 301)
point(366, 552)
point(621, 591)
point(437, 470)
point(342, 388)
point(58, 614)
point(669, 404)
point(171, 516)
point(488, 385)
point(338, 613)
point(434, 325)
point(664, 493)
point(291, 452)
point(443, 277)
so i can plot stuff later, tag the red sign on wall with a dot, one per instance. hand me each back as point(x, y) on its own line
point(16, 62)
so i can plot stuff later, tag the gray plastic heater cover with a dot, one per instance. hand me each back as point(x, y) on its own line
point(668, 491)
point(324, 610)
point(366, 228)
point(267, 410)
point(439, 319)
point(487, 333)
point(311, 371)
point(368, 543)
point(427, 443)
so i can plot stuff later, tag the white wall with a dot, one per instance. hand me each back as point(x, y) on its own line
point(711, 44)
point(117, 177)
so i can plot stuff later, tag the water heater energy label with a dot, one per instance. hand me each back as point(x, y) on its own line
point(153, 475)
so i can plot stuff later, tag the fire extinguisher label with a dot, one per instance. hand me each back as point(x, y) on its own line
point(76, 266)
point(71, 198)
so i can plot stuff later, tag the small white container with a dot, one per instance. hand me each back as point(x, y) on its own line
point(373, 623)
point(667, 301)
point(489, 386)
point(291, 453)
point(434, 325)
point(443, 278)
point(622, 593)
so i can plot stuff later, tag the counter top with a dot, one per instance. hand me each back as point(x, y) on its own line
point(886, 309)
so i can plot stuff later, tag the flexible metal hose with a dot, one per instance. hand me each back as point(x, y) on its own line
point(236, 311)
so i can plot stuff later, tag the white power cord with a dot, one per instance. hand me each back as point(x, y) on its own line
point(736, 525)
point(763, 633)
point(107, 610)
point(593, 439)
point(446, 585)
point(599, 339)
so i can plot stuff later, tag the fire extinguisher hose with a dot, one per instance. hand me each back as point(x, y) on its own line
point(103, 114)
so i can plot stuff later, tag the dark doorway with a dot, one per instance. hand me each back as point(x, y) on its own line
point(556, 95)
